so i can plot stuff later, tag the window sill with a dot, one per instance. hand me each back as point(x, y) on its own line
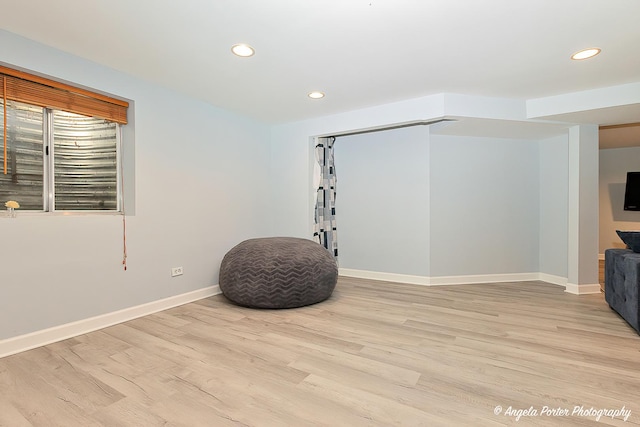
point(26, 213)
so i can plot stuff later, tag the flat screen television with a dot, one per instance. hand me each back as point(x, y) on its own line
point(632, 192)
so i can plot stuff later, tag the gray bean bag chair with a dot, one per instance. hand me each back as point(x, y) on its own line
point(278, 272)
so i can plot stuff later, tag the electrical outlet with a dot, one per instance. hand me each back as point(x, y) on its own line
point(176, 271)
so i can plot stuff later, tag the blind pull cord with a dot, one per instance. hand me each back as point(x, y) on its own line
point(4, 113)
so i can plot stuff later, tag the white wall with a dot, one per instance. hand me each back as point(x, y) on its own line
point(484, 206)
point(200, 189)
point(382, 201)
point(554, 179)
point(614, 165)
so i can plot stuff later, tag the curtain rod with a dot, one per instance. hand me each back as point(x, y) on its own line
point(399, 126)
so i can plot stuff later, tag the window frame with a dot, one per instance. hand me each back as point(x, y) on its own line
point(48, 171)
point(53, 94)
point(49, 182)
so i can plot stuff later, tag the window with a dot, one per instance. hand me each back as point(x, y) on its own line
point(57, 154)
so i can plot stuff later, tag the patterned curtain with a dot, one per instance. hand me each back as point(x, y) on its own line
point(324, 229)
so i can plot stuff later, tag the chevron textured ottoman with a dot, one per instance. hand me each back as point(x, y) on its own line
point(278, 272)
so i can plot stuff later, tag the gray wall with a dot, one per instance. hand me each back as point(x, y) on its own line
point(433, 205)
point(554, 179)
point(614, 165)
point(382, 201)
point(484, 206)
point(291, 190)
point(200, 189)
point(206, 179)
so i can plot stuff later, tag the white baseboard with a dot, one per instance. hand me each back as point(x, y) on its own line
point(483, 278)
point(554, 280)
point(58, 333)
point(385, 277)
point(469, 279)
point(582, 289)
point(447, 280)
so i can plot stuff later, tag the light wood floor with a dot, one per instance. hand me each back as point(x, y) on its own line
point(375, 354)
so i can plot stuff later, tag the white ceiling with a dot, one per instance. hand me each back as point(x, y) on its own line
point(359, 52)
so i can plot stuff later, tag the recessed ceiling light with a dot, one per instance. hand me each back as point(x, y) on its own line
point(243, 50)
point(586, 53)
point(316, 95)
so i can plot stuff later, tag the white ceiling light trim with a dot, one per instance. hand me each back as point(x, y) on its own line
point(586, 53)
point(243, 50)
point(315, 95)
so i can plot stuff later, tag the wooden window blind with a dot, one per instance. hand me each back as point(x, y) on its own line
point(30, 89)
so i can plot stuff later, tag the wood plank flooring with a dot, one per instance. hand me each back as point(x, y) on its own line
point(375, 354)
